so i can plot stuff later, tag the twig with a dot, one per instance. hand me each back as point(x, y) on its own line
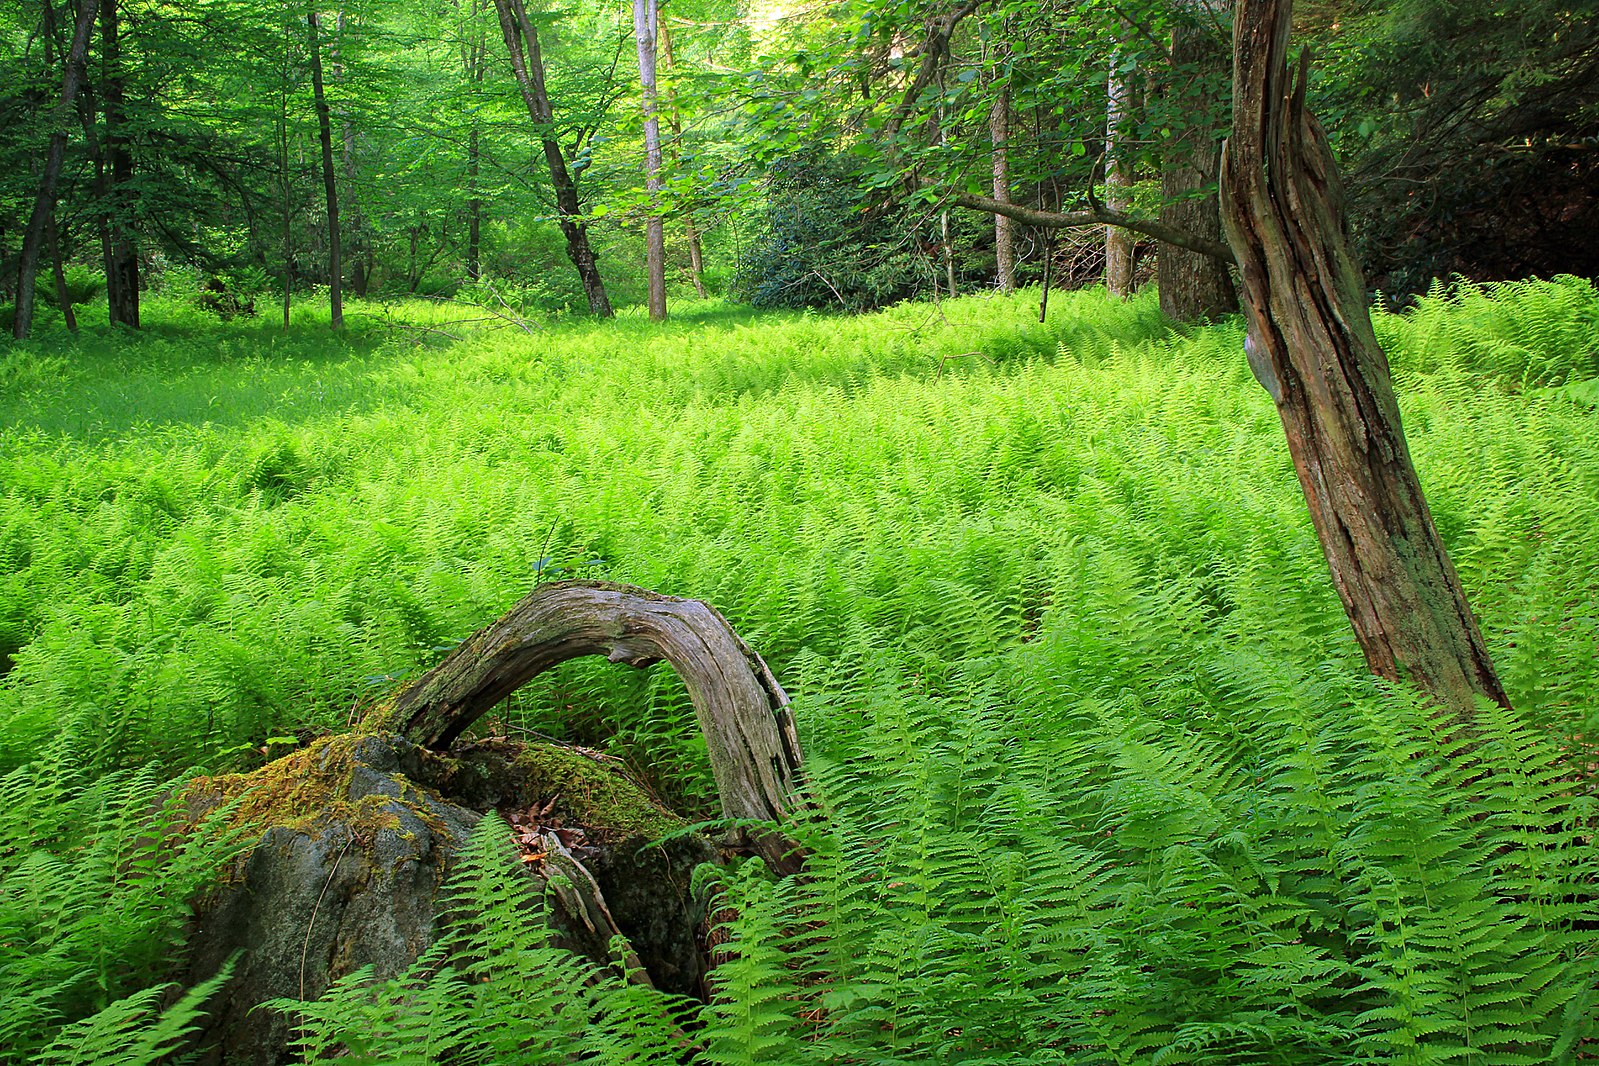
point(305, 949)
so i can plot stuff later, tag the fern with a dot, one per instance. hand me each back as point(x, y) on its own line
point(1106, 780)
point(134, 1030)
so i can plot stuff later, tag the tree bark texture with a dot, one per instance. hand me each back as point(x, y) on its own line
point(528, 67)
point(1193, 287)
point(1118, 180)
point(1004, 228)
point(324, 123)
point(645, 19)
point(741, 708)
point(1312, 346)
point(696, 256)
point(474, 54)
point(44, 204)
point(121, 253)
point(58, 270)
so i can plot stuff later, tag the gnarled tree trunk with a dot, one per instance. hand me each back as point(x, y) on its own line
point(742, 710)
point(1312, 346)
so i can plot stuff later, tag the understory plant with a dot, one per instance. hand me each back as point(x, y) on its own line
point(1101, 774)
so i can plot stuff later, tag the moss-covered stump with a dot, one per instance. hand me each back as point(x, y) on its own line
point(357, 835)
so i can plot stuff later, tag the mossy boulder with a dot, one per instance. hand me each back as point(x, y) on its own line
point(356, 836)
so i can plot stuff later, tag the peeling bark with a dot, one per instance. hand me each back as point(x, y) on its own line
point(1312, 346)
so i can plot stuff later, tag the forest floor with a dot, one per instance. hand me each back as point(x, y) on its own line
point(1105, 779)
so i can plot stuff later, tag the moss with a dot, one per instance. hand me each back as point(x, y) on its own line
point(310, 789)
point(578, 788)
point(305, 790)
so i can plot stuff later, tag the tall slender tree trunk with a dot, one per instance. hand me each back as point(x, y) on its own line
point(1312, 347)
point(1194, 286)
point(473, 53)
point(528, 67)
point(474, 207)
point(63, 294)
point(946, 246)
point(44, 203)
point(1118, 180)
point(645, 18)
point(1004, 228)
point(122, 266)
point(691, 234)
point(283, 171)
point(324, 123)
point(353, 231)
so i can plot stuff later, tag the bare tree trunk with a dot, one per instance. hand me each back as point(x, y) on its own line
point(696, 256)
point(283, 173)
point(122, 269)
point(742, 710)
point(946, 247)
point(63, 295)
point(1312, 347)
point(529, 70)
point(1193, 286)
point(1004, 228)
point(44, 203)
point(473, 53)
point(329, 184)
point(645, 18)
point(353, 232)
point(1049, 257)
point(1118, 241)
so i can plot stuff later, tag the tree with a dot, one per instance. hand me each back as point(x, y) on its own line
point(1118, 242)
point(1004, 235)
point(119, 248)
point(324, 125)
point(1312, 347)
point(528, 67)
point(1194, 286)
point(44, 203)
point(696, 255)
point(645, 19)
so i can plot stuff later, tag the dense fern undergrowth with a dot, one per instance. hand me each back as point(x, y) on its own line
point(1103, 779)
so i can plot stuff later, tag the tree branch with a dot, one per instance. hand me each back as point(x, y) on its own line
point(934, 50)
point(1097, 215)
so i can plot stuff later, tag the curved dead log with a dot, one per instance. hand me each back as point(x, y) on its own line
point(742, 710)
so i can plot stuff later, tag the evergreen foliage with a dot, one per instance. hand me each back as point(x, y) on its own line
point(1102, 776)
point(825, 242)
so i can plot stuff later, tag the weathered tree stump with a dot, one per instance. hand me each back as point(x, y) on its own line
point(359, 832)
point(742, 710)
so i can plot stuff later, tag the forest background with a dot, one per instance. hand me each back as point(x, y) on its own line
point(1131, 795)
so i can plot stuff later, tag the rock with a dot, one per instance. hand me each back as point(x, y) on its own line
point(357, 837)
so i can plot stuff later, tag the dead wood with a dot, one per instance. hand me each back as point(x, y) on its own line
point(742, 710)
